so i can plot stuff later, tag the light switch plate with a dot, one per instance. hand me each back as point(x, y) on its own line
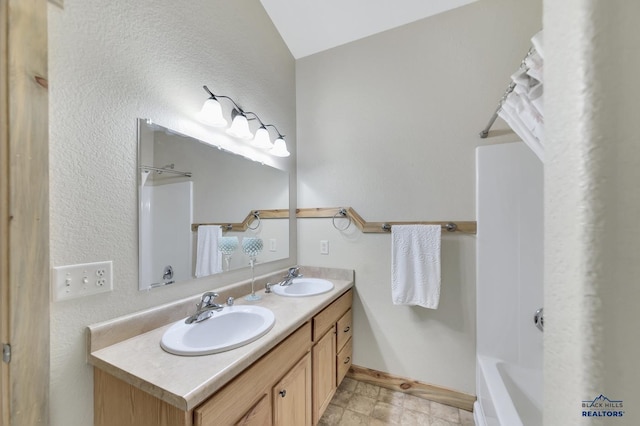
point(73, 281)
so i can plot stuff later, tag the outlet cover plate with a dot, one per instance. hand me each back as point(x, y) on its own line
point(85, 279)
point(324, 246)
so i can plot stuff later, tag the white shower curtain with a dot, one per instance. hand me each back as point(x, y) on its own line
point(523, 107)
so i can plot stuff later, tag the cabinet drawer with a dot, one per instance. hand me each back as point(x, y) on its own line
point(331, 314)
point(344, 360)
point(345, 329)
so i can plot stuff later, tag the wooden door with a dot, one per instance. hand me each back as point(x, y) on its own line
point(292, 396)
point(24, 213)
point(324, 373)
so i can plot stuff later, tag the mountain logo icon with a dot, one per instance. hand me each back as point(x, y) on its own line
point(600, 399)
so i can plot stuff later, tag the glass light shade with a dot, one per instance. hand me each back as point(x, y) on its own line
point(211, 114)
point(228, 245)
point(240, 127)
point(262, 139)
point(279, 148)
point(252, 246)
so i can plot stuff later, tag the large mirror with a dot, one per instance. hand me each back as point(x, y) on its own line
point(198, 204)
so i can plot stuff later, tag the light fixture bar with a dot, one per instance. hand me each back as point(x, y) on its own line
point(211, 114)
point(221, 96)
point(280, 136)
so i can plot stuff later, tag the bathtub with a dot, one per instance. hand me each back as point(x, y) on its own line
point(508, 394)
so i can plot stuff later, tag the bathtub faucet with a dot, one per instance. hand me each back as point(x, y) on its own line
point(538, 319)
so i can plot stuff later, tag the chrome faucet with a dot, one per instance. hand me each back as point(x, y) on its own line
point(167, 273)
point(293, 273)
point(205, 308)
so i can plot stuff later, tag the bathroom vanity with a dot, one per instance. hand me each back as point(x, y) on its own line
point(286, 377)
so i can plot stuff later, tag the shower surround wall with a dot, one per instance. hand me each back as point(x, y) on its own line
point(167, 230)
point(389, 125)
point(509, 284)
point(110, 63)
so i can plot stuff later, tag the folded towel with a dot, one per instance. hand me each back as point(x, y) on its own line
point(208, 257)
point(415, 265)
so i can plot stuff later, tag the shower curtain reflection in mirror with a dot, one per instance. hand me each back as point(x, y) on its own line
point(165, 232)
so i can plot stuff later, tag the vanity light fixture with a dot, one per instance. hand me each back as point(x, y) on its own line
point(239, 125)
point(211, 114)
point(279, 146)
point(262, 139)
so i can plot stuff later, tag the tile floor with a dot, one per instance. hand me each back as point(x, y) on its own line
point(358, 403)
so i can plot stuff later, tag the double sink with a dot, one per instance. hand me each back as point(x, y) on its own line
point(234, 326)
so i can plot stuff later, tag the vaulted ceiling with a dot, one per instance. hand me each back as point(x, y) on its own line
point(311, 26)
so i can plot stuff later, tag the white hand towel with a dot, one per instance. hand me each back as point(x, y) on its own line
point(415, 265)
point(208, 257)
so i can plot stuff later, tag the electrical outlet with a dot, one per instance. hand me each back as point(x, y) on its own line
point(72, 281)
point(324, 247)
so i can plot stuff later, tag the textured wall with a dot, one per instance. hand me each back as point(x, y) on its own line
point(388, 125)
point(110, 63)
point(592, 203)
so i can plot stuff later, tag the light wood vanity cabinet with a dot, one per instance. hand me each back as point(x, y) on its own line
point(290, 385)
point(254, 395)
point(247, 400)
point(332, 350)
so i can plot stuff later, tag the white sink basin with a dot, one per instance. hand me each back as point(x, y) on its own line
point(302, 287)
point(232, 327)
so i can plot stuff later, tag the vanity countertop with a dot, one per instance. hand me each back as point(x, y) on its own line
point(186, 381)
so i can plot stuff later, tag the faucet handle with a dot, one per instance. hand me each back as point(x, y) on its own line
point(207, 299)
point(294, 272)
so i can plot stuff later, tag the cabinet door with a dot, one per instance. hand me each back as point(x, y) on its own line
point(259, 414)
point(292, 396)
point(324, 373)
